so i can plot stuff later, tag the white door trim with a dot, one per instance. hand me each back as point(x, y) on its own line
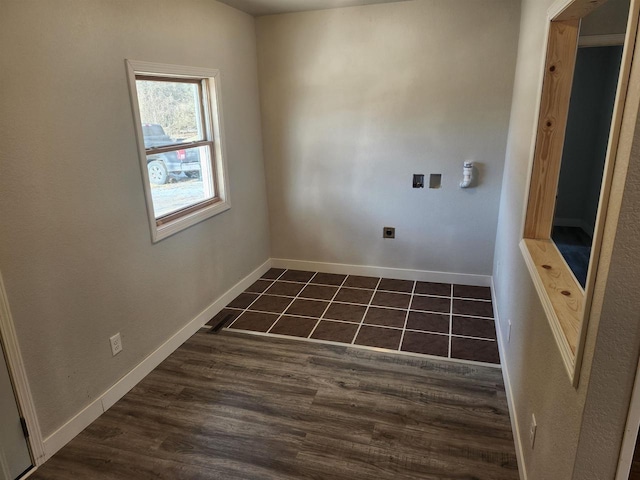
point(630, 432)
point(18, 376)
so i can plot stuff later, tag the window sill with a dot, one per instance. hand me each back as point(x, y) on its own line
point(160, 232)
point(560, 294)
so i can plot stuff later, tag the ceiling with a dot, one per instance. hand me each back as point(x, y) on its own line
point(271, 7)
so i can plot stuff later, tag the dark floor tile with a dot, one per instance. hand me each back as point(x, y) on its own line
point(475, 350)
point(329, 279)
point(345, 312)
point(273, 273)
point(468, 291)
point(428, 322)
point(243, 300)
point(294, 326)
point(285, 288)
point(471, 307)
point(254, 321)
point(397, 300)
point(394, 285)
point(318, 292)
point(335, 331)
point(426, 343)
point(307, 308)
point(430, 288)
point(379, 337)
point(354, 295)
point(225, 315)
point(474, 327)
point(259, 286)
point(269, 303)
point(297, 276)
point(385, 316)
point(431, 304)
point(361, 282)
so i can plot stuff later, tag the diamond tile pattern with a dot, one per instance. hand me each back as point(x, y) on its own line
point(439, 319)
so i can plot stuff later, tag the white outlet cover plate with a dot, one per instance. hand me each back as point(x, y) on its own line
point(116, 344)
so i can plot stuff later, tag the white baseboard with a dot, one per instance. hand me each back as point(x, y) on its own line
point(574, 222)
point(399, 273)
point(91, 412)
point(73, 427)
point(515, 428)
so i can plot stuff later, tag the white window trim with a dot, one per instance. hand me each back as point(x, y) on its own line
point(213, 123)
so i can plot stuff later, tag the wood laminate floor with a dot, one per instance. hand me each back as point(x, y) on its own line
point(233, 406)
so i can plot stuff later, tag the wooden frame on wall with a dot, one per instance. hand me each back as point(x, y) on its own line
point(567, 305)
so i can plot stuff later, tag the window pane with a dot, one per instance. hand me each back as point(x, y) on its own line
point(180, 179)
point(169, 112)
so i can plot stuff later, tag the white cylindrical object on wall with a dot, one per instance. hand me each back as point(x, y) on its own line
point(467, 173)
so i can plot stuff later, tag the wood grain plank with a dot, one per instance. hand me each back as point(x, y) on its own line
point(554, 110)
point(563, 291)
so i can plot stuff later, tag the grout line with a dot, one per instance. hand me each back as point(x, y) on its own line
point(473, 299)
point(372, 304)
point(470, 299)
point(291, 302)
point(350, 322)
point(476, 317)
point(256, 299)
point(479, 317)
point(395, 291)
point(412, 309)
point(276, 313)
point(430, 295)
point(320, 318)
point(474, 338)
point(450, 321)
point(375, 290)
point(406, 317)
point(487, 300)
point(279, 295)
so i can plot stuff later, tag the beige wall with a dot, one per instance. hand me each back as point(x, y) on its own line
point(75, 246)
point(573, 442)
point(356, 100)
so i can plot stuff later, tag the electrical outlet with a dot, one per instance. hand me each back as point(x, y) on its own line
point(508, 331)
point(389, 232)
point(532, 430)
point(116, 344)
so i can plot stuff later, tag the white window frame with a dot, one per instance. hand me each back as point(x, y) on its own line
point(214, 131)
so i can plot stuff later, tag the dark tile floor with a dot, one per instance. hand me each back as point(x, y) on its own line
point(451, 321)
